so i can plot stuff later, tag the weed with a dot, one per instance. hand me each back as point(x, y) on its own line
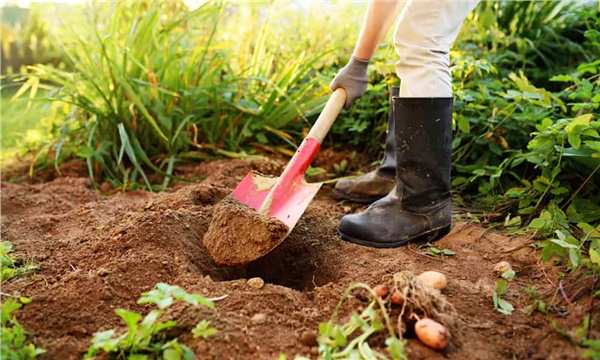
point(12, 265)
point(349, 340)
point(431, 250)
point(145, 338)
point(14, 337)
point(501, 305)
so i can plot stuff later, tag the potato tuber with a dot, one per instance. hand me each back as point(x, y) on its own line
point(434, 279)
point(432, 334)
point(381, 290)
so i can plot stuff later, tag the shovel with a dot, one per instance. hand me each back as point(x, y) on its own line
point(287, 197)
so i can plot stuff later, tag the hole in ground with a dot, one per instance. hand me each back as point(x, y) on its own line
point(309, 257)
point(173, 226)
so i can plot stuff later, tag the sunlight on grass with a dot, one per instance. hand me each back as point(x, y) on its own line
point(20, 126)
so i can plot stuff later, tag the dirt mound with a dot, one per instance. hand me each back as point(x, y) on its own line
point(98, 253)
point(239, 234)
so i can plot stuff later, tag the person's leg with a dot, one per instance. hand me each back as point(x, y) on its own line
point(376, 184)
point(423, 36)
point(418, 208)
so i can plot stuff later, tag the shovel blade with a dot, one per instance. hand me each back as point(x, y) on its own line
point(285, 201)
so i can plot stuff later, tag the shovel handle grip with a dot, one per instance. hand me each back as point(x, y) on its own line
point(327, 118)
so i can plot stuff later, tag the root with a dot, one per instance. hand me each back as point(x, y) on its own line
point(423, 301)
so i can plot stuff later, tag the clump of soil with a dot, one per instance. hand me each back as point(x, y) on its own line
point(239, 234)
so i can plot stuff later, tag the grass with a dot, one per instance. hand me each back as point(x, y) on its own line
point(20, 125)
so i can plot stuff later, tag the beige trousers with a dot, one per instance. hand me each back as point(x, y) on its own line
point(423, 36)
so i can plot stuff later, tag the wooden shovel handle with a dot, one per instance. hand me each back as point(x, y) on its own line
point(330, 112)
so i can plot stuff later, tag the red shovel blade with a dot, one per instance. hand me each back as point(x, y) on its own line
point(285, 197)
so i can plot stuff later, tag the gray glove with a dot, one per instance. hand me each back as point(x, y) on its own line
point(353, 78)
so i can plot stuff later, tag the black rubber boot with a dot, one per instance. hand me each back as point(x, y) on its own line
point(418, 208)
point(376, 184)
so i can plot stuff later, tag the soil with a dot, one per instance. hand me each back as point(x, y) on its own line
point(238, 234)
point(97, 251)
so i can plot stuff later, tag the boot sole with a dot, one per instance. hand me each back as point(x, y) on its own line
point(342, 196)
point(431, 235)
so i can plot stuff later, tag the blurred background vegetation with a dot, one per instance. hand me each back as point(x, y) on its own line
point(136, 88)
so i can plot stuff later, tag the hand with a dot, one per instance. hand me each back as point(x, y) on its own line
point(353, 78)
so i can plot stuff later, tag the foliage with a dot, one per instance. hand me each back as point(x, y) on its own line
point(152, 85)
point(12, 265)
point(500, 304)
point(529, 34)
point(14, 337)
point(581, 336)
point(521, 149)
point(145, 338)
point(349, 340)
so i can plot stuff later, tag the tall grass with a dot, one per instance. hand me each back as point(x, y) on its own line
point(154, 83)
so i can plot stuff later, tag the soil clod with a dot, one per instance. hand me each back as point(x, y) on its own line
point(239, 234)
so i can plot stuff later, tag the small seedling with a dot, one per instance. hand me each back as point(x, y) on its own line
point(500, 304)
point(145, 337)
point(435, 252)
point(14, 337)
point(12, 265)
point(203, 330)
point(349, 340)
point(537, 305)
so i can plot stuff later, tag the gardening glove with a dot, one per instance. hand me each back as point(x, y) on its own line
point(353, 78)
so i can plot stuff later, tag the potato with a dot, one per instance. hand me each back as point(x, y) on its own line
point(434, 279)
point(381, 290)
point(502, 267)
point(432, 334)
point(397, 298)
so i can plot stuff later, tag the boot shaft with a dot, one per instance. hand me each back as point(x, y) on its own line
point(424, 144)
point(388, 165)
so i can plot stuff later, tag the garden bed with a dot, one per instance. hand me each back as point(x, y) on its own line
point(97, 251)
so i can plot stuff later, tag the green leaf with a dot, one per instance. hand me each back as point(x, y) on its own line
point(574, 257)
point(574, 139)
point(464, 125)
point(131, 318)
point(395, 348)
point(8, 307)
point(595, 256)
point(505, 307)
point(537, 223)
point(171, 354)
point(85, 152)
point(563, 244)
point(203, 330)
point(582, 120)
point(509, 274)
point(339, 336)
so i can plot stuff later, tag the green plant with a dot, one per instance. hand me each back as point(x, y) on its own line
point(154, 84)
point(349, 340)
point(531, 33)
point(14, 337)
point(580, 336)
point(501, 305)
point(203, 330)
point(431, 250)
point(538, 304)
point(145, 338)
point(12, 265)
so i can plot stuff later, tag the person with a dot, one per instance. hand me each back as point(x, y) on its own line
point(411, 189)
